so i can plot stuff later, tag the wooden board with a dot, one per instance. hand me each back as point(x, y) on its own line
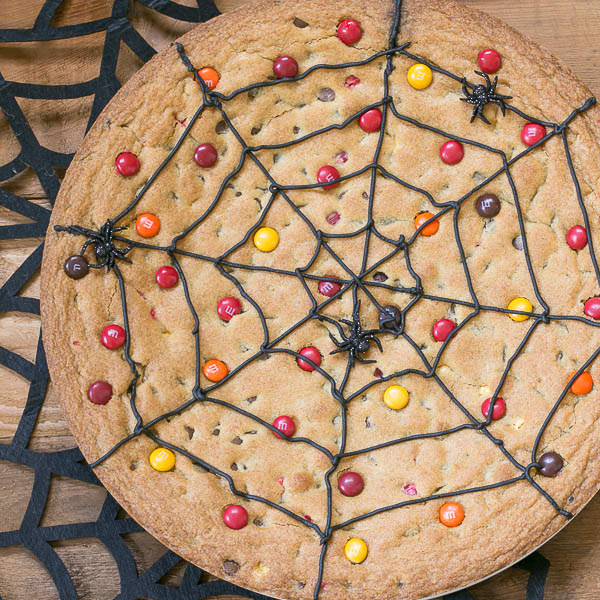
point(569, 28)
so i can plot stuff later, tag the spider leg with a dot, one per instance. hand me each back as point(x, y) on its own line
point(346, 322)
point(364, 361)
point(482, 116)
point(378, 343)
point(338, 344)
point(340, 349)
point(85, 245)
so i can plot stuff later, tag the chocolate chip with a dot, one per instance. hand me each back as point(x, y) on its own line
point(216, 431)
point(133, 466)
point(252, 93)
point(251, 399)
point(390, 317)
point(368, 422)
point(326, 95)
point(221, 127)
point(550, 464)
point(258, 522)
point(230, 567)
point(76, 266)
point(255, 129)
point(380, 276)
point(238, 194)
point(190, 431)
point(237, 440)
point(300, 23)
point(487, 205)
point(518, 243)
point(365, 195)
point(265, 356)
point(296, 129)
point(234, 467)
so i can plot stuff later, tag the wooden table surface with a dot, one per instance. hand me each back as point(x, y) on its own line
point(570, 28)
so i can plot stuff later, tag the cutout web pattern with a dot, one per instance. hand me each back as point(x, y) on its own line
point(108, 527)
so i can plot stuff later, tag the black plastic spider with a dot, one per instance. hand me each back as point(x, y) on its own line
point(104, 248)
point(358, 341)
point(482, 95)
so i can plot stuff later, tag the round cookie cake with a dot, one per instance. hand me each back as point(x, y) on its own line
point(321, 301)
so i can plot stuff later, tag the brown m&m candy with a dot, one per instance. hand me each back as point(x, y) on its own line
point(76, 266)
point(487, 205)
point(550, 464)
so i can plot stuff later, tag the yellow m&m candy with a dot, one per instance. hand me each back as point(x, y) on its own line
point(396, 397)
point(355, 550)
point(162, 459)
point(266, 239)
point(519, 304)
point(419, 76)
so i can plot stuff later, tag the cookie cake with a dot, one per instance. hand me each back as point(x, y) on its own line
point(321, 301)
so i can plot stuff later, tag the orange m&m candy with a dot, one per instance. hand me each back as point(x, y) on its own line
point(430, 228)
point(214, 370)
point(147, 225)
point(583, 384)
point(451, 514)
point(210, 77)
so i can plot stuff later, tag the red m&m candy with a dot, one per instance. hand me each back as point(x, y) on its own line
point(327, 173)
point(452, 152)
point(577, 237)
point(592, 308)
point(100, 392)
point(349, 31)
point(284, 424)
point(113, 337)
point(442, 329)
point(228, 307)
point(205, 155)
point(127, 164)
point(311, 353)
point(499, 408)
point(489, 61)
point(329, 288)
point(235, 516)
point(167, 277)
point(371, 120)
point(351, 484)
point(285, 66)
point(532, 133)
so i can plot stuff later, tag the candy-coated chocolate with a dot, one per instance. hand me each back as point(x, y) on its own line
point(327, 173)
point(214, 370)
point(228, 307)
point(349, 31)
point(577, 237)
point(266, 239)
point(356, 550)
point(311, 353)
point(532, 133)
point(499, 408)
point(100, 392)
point(442, 329)
point(205, 155)
point(371, 120)
point(162, 459)
point(209, 76)
point(452, 152)
point(167, 276)
point(451, 514)
point(489, 61)
point(550, 463)
point(395, 397)
point(419, 76)
point(390, 317)
point(351, 483)
point(487, 205)
point(284, 424)
point(519, 304)
point(285, 66)
point(592, 307)
point(76, 266)
point(113, 337)
point(235, 517)
point(329, 288)
point(127, 164)
point(429, 229)
point(147, 225)
point(583, 384)
point(351, 81)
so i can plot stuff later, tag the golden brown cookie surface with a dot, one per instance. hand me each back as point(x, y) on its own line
point(410, 553)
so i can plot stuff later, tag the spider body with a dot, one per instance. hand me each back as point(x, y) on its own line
point(357, 341)
point(481, 94)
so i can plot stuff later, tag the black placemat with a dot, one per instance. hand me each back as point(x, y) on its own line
point(109, 528)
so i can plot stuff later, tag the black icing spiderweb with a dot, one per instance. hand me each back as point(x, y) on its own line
point(108, 528)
